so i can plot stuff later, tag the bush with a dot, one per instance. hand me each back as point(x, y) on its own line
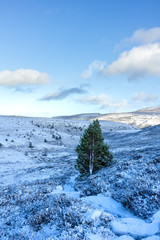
point(30, 145)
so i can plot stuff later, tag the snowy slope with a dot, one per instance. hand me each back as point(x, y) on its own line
point(82, 116)
point(150, 110)
point(137, 119)
point(140, 118)
point(41, 198)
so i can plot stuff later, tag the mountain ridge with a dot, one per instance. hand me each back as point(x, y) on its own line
point(141, 118)
point(149, 110)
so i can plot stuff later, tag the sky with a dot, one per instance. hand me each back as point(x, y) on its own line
point(64, 57)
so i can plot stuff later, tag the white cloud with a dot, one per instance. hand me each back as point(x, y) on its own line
point(137, 62)
point(94, 66)
point(144, 36)
point(141, 37)
point(106, 102)
point(144, 97)
point(22, 77)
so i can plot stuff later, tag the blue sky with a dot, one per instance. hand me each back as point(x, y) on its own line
point(62, 57)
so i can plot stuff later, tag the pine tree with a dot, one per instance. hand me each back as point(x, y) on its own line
point(93, 153)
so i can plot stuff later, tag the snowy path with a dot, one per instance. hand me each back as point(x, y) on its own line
point(125, 225)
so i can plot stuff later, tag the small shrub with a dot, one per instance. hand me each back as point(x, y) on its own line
point(58, 137)
point(30, 145)
point(39, 218)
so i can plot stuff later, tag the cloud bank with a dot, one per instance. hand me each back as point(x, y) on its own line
point(140, 37)
point(105, 102)
point(143, 36)
point(22, 77)
point(144, 97)
point(137, 62)
point(94, 66)
point(60, 95)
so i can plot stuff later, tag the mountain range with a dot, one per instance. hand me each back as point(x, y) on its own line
point(141, 118)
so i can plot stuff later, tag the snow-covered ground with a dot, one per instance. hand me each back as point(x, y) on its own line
point(137, 119)
point(42, 196)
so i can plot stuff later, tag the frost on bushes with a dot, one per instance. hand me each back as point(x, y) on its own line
point(69, 216)
point(57, 210)
point(90, 186)
point(41, 217)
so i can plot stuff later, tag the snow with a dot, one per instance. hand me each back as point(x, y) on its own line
point(154, 237)
point(36, 181)
point(124, 237)
point(156, 217)
point(109, 205)
point(67, 189)
point(59, 188)
point(95, 237)
point(140, 120)
point(93, 215)
point(134, 227)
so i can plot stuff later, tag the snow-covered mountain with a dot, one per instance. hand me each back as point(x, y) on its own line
point(137, 119)
point(82, 116)
point(43, 197)
point(150, 110)
point(141, 118)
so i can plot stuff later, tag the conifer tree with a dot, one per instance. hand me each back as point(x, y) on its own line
point(93, 153)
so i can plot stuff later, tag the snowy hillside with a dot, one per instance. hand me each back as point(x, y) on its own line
point(83, 116)
point(150, 110)
point(141, 118)
point(43, 197)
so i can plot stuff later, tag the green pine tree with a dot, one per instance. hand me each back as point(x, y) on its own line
point(93, 153)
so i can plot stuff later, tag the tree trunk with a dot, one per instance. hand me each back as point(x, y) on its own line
point(91, 157)
point(92, 153)
point(91, 160)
